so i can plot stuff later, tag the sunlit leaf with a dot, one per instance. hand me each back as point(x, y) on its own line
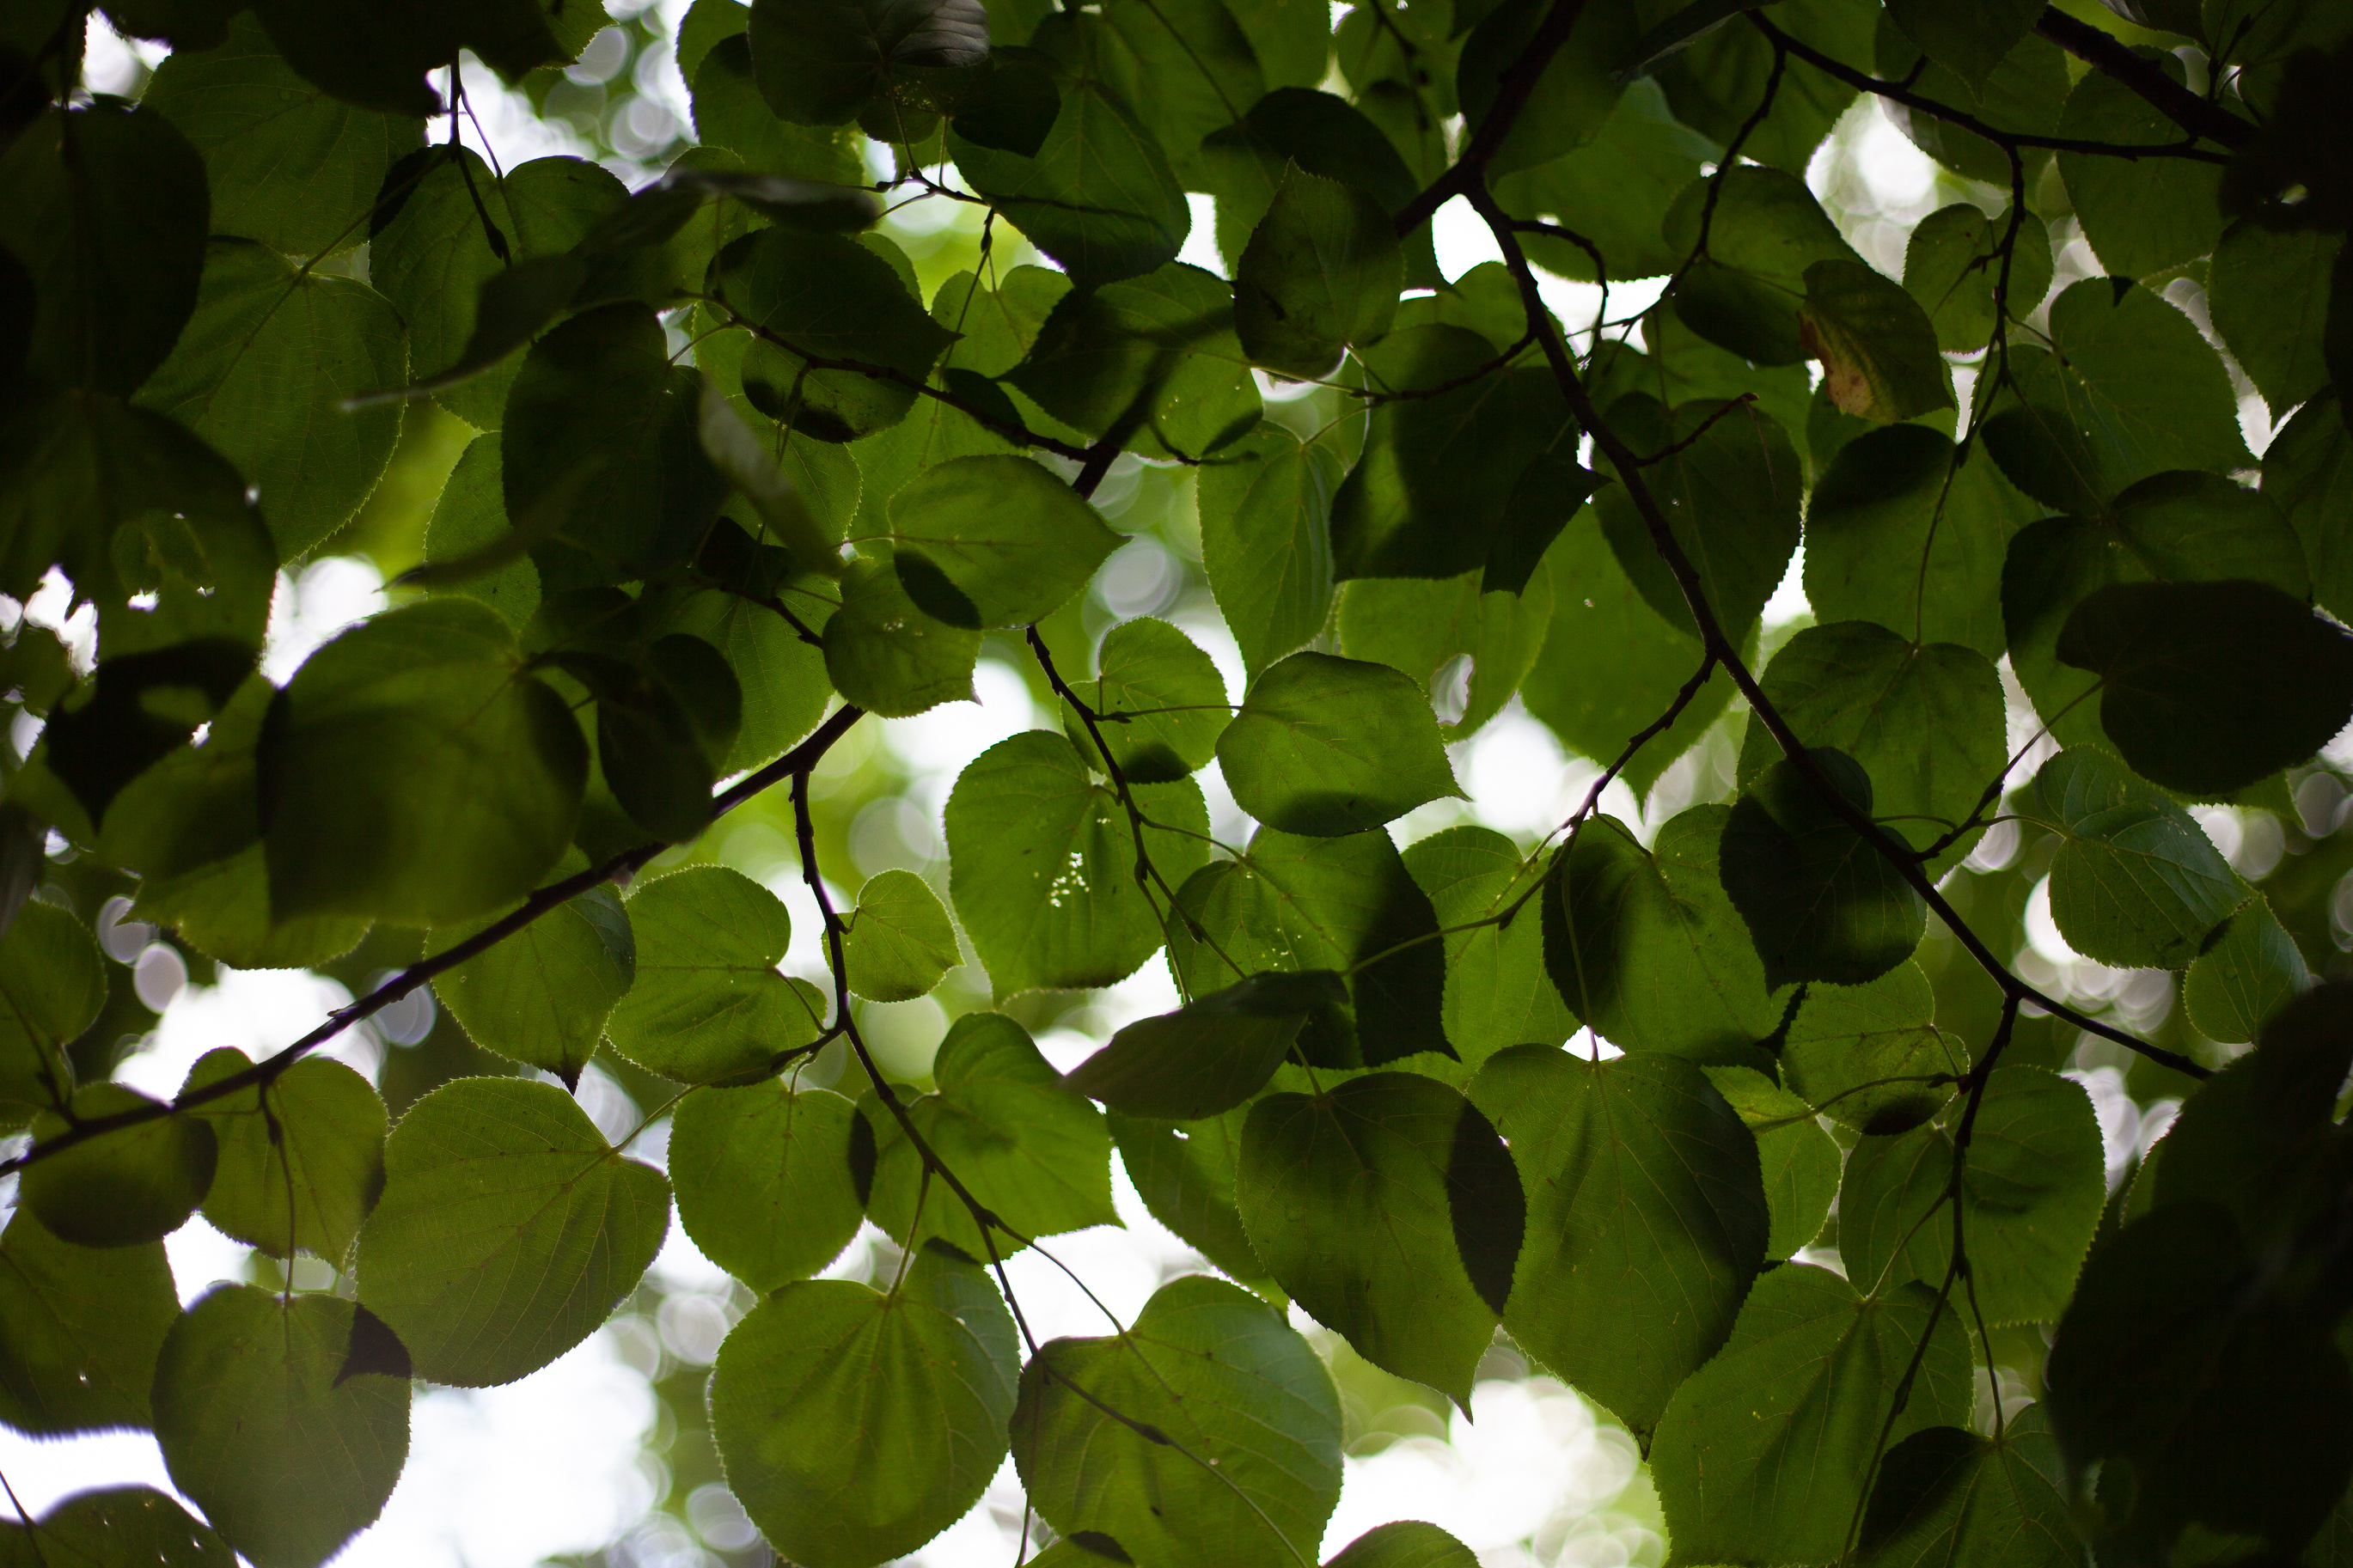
point(856, 1426)
point(558, 1229)
point(1230, 1444)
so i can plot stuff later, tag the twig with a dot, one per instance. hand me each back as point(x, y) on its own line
point(795, 763)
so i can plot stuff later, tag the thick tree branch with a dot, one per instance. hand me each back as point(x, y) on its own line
point(1713, 637)
point(795, 763)
point(2103, 52)
point(1511, 94)
point(1897, 92)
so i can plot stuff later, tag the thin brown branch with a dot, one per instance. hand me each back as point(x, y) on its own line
point(795, 763)
point(2107, 54)
point(1898, 92)
point(1714, 638)
point(1512, 94)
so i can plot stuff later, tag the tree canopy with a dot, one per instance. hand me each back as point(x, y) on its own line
point(1745, 1109)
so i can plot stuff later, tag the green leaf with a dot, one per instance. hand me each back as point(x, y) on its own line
point(541, 997)
point(2259, 1137)
point(191, 825)
point(2141, 216)
point(1599, 615)
point(900, 942)
point(736, 452)
point(470, 524)
point(2031, 1191)
point(1327, 746)
point(1948, 1495)
point(1763, 1453)
point(1292, 904)
point(994, 542)
point(1390, 1211)
point(854, 1426)
point(782, 678)
point(1030, 1148)
point(665, 723)
point(1189, 70)
point(2128, 390)
point(2170, 1333)
point(1497, 993)
point(731, 112)
point(288, 165)
point(1096, 193)
point(516, 305)
point(1266, 546)
point(1969, 41)
point(285, 1419)
point(52, 987)
point(1718, 83)
point(707, 1004)
point(80, 1330)
point(601, 446)
point(2190, 686)
point(492, 766)
point(258, 372)
point(1242, 163)
point(1479, 476)
point(1408, 1543)
point(827, 296)
point(767, 1183)
point(2022, 95)
point(1862, 1053)
point(1573, 97)
point(1423, 628)
point(1646, 1222)
point(883, 653)
point(559, 1228)
point(2306, 473)
point(1953, 264)
point(1211, 1055)
point(1232, 1433)
point(121, 1188)
point(119, 1524)
point(2269, 294)
point(1321, 273)
point(1877, 346)
point(1767, 230)
point(2136, 883)
point(1821, 903)
point(2243, 973)
point(1158, 701)
point(1799, 1161)
point(108, 214)
point(1186, 1173)
point(1645, 947)
point(2170, 528)
point(822, 60)
point(1041, 865)
point(1615, 191)
point(1731, 499)
point(1152, 361)
point(1926, 724)
point(312, 1139)
point(1892, 516)
point(432, 255)
point(376, 56)
point(144, 707)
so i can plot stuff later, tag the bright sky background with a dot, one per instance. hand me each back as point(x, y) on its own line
point(555, 1463)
